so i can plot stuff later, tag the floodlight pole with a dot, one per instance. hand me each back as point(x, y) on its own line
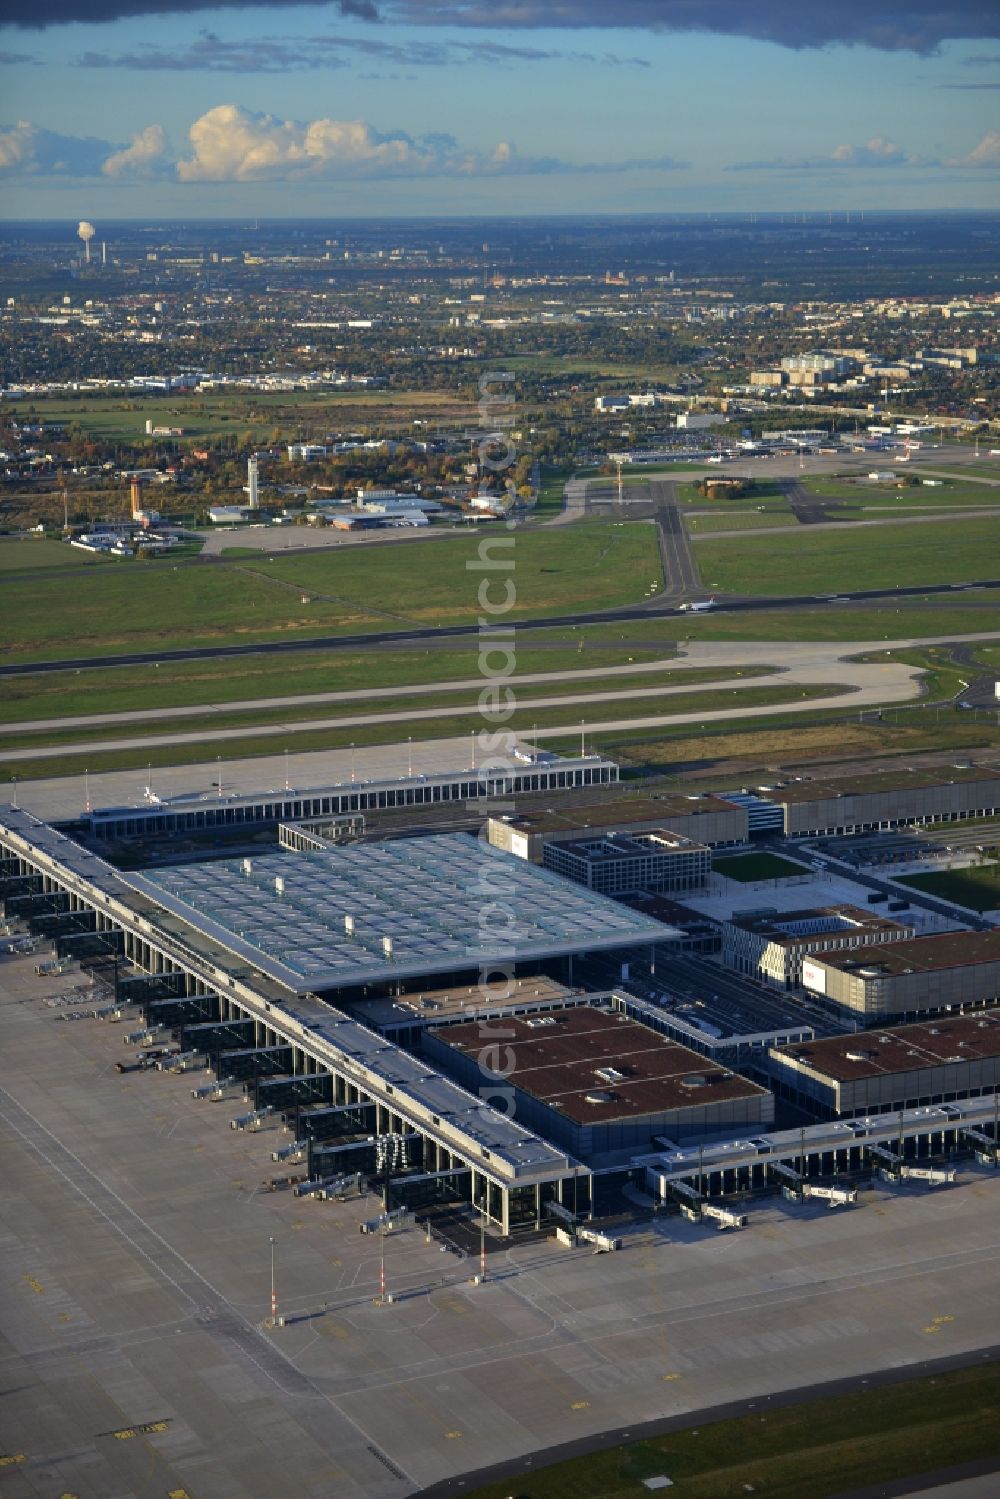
point(274, 1295)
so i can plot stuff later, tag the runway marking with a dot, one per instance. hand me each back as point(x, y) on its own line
point(453, 1436)
point(580, 1405)
point(11, 1459)
point(673, 1376)
point(35, 1285)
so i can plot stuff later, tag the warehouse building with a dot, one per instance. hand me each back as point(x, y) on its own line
point(597, 1082)
point(884, 799)
point(950, 971)
point(702, 818)
point(908, 1067)
point(618, 863)
point(772, 947)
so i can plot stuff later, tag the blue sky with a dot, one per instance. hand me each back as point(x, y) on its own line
point(455, 106)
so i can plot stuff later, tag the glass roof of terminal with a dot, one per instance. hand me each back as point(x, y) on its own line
point(365, 911)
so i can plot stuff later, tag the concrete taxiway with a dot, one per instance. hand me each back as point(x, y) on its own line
point(135, 1259)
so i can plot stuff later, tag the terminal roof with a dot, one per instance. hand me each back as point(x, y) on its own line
point(903, 1048)
point(595, 1066)
point(917, 955)
point(394, 909)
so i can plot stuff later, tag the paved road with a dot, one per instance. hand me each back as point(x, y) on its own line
point(428, 634)
point(793, 664)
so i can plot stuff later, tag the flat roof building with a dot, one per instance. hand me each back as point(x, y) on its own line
point(952, 970)
point(404, 1017)
point(907, 1067)
point(379, 912)
point(704, 818)
point(597, 1079)
point(195, 812)
point(885, 799)
point(617, 863)
point(772, 947)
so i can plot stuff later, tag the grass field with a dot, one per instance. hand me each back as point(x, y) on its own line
point(271, 730)
point(750, 867)
point(174, 684)
point(808, 1451)
point(861, 491)
point(737, 520)
point(147, 607)
point(977, 889)
point(36, 554)
point(209, 417)
point(813, 561)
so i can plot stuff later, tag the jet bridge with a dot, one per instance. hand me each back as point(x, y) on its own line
point(893, 1169)
point(985, 1147)
point(696, 1209)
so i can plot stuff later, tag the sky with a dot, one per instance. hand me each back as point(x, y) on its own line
point(143, 108)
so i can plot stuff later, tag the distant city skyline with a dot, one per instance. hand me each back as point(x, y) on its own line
point(125, 108)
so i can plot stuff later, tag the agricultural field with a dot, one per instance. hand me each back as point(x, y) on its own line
point(812, 1450)
point(163, 605)
point(811, 561)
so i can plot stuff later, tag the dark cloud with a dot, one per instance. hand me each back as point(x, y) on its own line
point(209, 53)
point(893, 26)
point(33, 17)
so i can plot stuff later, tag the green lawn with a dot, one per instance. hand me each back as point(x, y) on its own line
point(812, 561)
point(977, 889)
point(809, 1451)
point(736, 520)
point(35, 553)
point(750, 867)
point(151, 606)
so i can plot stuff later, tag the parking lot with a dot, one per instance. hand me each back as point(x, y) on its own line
point(135, 1248)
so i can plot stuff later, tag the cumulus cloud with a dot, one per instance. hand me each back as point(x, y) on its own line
point(142, 158)
point(895, 25)
point(232, 144)
point(985, 154)
point(28, 150)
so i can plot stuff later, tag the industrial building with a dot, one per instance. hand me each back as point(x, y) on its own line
point(195, 813)
point(703, 818)
point(908, 1067)
point(597, 1082)
point(618, 863)
point(883, 799)
point(772, 947)
point(952, 970)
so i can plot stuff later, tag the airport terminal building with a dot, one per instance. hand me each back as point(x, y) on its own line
point(254, 963)
point(904, 980)
point(908, 1067)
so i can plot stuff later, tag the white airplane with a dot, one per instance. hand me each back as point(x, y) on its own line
point(698, 608)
